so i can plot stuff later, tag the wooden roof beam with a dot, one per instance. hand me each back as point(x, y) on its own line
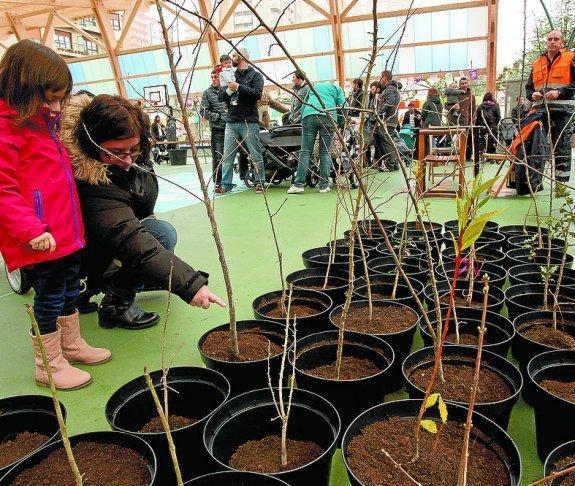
point(315, 6)
point(17, 26)
point(48, 36)
point(128, 24)
point(206, 10)
point(335, 18)
point(349, 7)
point(110, 41)
point(180, 15)
point(228, 15)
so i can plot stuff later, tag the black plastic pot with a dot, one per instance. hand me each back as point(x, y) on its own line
point(311, 278)
point(559, 453)
point(499, 411)
point(28, 413)
point(251, 417)
point(401, 341)
point(517, 256)
point(305, 325)
point(371, 224)
point(531, 273)
point(414, 225)
point(553, 415)
point(410, 251)
point(499, 330)
point(499, 440)
point(452, 226)
point(497, 274)
point(128, 441)
point(415, 238)
point(383, 285)
point(349, 397)
point(192, 392)
point(522, 298)
point(369, 246)
point(490, 240)
point(524, 349)
point(415, 268)
point(519, 229)
point(319, 258)
point(247, 375)
point(495, 257)
point(523, 241)
point(495, 300)
point(236, 478)
point(371, 237)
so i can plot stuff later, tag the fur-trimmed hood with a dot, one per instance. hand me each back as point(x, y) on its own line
point(85, 167)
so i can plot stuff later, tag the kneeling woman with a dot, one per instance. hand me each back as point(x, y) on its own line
point(105, 136)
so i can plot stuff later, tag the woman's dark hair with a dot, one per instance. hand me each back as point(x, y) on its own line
point(157, 119)
point(375, 83)
point(432, 92)
point(27, 70)
point(111, 118)
point(488, 96)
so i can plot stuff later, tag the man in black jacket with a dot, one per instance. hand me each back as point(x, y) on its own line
point(241, 97)
point(387, 109)
point(215, 111)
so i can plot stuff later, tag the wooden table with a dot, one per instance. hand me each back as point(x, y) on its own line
point(460, 131)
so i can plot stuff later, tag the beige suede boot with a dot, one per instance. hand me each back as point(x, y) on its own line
point(65, 376)
point(74, 348)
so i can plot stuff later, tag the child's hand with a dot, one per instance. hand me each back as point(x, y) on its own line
point(44, 242)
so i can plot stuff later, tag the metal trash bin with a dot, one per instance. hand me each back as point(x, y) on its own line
point(178, 156)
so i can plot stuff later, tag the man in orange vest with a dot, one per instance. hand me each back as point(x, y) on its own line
point(551, 85)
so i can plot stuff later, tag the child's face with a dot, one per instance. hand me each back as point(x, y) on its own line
point(227, 63)
point(452, 85)
point(53, 100)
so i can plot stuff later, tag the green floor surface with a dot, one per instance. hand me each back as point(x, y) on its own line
point(304, 222)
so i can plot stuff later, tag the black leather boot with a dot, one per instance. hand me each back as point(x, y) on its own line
point(84, 305)
point(117, 312)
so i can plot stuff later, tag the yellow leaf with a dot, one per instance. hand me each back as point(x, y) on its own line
point(431, 400)
point(429, 425)
point(442, 410)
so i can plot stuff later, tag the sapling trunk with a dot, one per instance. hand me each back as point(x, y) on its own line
point(332, 245)
point(398, 466)
point(559, 279)
point(166, 426)
point(206, 197)
point(547, 277)
point(471, 275)
point(165, 369)
point(366, 270)
point(462, 475)
point(59, 416)
point(557, 474)
point(401, 253)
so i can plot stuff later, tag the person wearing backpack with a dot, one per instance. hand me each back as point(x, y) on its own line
point(488, 116)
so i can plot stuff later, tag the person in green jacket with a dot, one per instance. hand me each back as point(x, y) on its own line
point(314, 121)
point(432, 109)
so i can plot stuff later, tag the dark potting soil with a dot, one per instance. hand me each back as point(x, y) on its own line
point(352, 368)
point(561, 389)
point(542, 332)
point(461, 301)
point(567, 479)
point(20, 445)
point(175, 421)
point(465, 338)
point(385, 319)
point(264, 455)
point(99, 464)
point(437, 463)
point(252, 346)
point(297, 310)
point(458, 380)
point(303, 283)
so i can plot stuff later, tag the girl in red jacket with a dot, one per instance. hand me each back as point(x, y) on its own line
point(40, 219)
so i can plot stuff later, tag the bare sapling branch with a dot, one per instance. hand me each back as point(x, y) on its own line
point(462, 475)
point(57, 408)
point(552, 476)
point(398, 466)
point(165, 369)
point(166, 426)
point(206, 197)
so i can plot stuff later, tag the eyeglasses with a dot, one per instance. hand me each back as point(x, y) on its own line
point(118, 154)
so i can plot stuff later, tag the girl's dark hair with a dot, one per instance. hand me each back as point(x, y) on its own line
point(488, 96)
point(111, 118)
point(27, 71)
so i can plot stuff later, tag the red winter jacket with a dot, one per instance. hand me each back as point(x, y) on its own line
point(37, 191)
